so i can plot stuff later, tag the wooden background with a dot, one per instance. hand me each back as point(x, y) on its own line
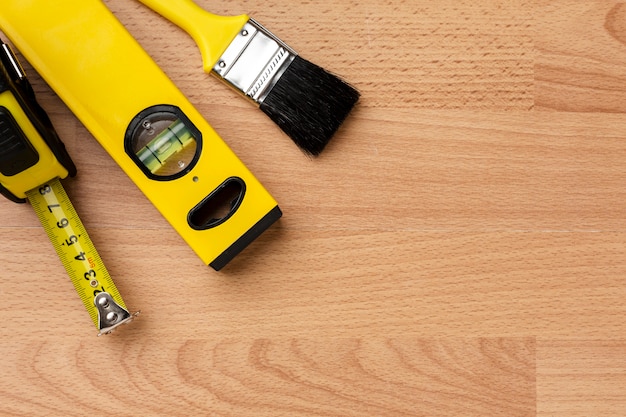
point(457, 250)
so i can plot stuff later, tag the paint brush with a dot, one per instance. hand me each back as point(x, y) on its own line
point(307, 102)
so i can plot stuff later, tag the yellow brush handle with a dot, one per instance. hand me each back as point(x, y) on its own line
point(212, 33)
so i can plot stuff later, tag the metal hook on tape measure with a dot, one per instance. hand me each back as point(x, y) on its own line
point(110, 314)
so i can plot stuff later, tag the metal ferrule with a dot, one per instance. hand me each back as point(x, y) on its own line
point(254, 61)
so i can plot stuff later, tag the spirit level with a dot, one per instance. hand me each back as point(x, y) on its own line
point(144, 122)
point(32, 161)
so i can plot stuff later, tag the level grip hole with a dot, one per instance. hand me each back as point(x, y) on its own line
point(218, 206)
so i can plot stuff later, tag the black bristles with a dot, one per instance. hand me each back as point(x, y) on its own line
point(309, 104)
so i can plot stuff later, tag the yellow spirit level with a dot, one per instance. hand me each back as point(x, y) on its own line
point(144, 122)
point(32, 161)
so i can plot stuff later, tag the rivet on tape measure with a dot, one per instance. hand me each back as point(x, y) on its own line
point(32, 161)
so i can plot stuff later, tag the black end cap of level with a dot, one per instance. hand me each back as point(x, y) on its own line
point(247, 238)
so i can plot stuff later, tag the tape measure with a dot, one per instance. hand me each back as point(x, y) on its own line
point(32, 161)
point(79, 256)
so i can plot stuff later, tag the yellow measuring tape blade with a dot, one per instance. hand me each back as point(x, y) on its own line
point(79, 256)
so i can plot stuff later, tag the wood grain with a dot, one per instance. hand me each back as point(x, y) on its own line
point(458, 250)
point(581, 377)
point(580, 50)
point(262, 377)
